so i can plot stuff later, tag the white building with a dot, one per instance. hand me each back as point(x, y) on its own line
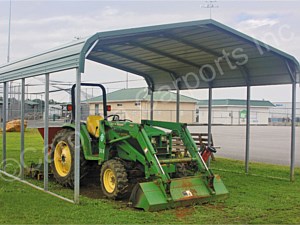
point(233, 111)
point(282, 112)
point(134, 104)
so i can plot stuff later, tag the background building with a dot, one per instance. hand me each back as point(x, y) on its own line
point(233, 111)
point(134, 104)
point(32, 109)
point(281, 114)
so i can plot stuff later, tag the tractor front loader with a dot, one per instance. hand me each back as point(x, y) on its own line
point(137, 161)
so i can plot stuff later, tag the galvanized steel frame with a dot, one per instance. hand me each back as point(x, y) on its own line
point(247, 149)
point(50, 62)
point(46, 132)
point(22, 140)
point(22, 128)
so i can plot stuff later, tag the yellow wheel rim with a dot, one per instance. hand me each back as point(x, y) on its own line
point(62, 158)
point(109, 180)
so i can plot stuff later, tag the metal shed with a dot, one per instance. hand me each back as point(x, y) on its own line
point(189, 55)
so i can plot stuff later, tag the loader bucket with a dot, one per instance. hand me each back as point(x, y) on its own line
point(183, 192)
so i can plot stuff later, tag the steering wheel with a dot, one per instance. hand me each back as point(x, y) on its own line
point(115, 117)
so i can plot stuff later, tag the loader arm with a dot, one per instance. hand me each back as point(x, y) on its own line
point(136, 131)
point(181, 130)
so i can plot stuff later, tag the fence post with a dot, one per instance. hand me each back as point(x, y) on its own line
point(5, 115)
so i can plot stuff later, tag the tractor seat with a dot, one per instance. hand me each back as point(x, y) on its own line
point(92, 123)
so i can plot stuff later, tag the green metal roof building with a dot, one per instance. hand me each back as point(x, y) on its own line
point(141, 94)
point(235, 102)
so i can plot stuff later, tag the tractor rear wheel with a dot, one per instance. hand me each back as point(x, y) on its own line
point(62, 158)
point(114, 181)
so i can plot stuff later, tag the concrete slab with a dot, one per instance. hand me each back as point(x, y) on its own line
point(270, 144)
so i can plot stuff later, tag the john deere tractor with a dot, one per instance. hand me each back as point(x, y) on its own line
point(138, 161)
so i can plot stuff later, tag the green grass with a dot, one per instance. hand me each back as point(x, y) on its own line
point(253, 199)
point(33, 149)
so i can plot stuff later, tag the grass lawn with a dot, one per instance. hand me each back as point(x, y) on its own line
point(253, 199)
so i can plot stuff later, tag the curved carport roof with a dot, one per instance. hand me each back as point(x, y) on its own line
point(187, 55)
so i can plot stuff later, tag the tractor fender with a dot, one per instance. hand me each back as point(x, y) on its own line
point(85, 138)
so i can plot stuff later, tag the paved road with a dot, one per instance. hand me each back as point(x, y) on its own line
point(270, 144)
point(40, 123)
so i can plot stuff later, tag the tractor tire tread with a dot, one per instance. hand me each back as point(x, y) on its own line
point(122, 180)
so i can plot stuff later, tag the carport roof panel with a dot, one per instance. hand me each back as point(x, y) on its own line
point(54, 60)
point(166, 54)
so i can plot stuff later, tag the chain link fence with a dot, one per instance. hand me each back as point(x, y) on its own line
point(34, 113)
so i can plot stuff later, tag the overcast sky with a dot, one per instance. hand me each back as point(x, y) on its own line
point(39, 25)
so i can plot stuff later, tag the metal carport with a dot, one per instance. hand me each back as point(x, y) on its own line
point(189, 55)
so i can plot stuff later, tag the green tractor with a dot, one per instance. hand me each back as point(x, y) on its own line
point(138, 161)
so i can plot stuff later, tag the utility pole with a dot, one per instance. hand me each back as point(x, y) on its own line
point(9, 25)
point(210, 4)
point(8, 57)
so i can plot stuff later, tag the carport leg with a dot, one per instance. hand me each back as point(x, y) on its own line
point(292, 168)
point(46, 132)
point(4, 118)
point(22, 129)
point(151, 105)
point(77, 138)
point(209, 119)
point(247, 130)
point(178, 105)
point(209, 115)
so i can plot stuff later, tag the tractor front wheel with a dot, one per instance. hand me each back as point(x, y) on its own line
point(114, 181)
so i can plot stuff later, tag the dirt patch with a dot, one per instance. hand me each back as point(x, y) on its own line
point(184, 212)
point(218, 206)
point(92, 191)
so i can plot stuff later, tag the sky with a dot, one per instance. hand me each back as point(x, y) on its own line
point(40, 25)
